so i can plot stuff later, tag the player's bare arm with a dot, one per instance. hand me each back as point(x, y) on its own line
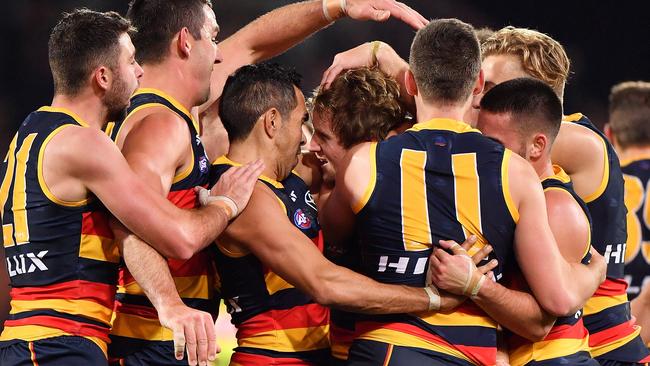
point(287, 252)
point(581, 153)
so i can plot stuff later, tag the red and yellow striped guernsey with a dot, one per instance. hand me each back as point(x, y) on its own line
point(61, 258)
point(136, 320)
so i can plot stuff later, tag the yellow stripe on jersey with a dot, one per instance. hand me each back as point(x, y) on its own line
point(601, 350)
point(30, 333)
point(134, 326)
point(8, 235)
point(9, 174)
point(21, 229)
point(416, 231)
point(41, 178)
point(372, 158)
point(406, 340)
point(223, 159)
point(544, 350)
point(229, 252)
point(289, 340)
point(134, 111)
point(194, 287)
point(98, 248)
point(84, 308)
point(597, 304)
point(505, 183)
point(445, 124)
point(457, 319)
point(467, 194)
point(171, 100)
point(275, 283)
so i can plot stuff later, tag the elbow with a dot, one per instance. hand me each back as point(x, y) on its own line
point(181, 247)
point(323, 295)
point(560, 306)
point(537, 332)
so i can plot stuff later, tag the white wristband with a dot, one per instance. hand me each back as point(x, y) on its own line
point(326, 10)
point(476, 288)
point(434, 298)
point(229, 202)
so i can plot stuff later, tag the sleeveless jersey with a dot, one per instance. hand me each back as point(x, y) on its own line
point(568, 338)
point(636, 173)
point(136, 320)
point(272, 317)
point(439, 180)
point(60, 255)
point(612, 335)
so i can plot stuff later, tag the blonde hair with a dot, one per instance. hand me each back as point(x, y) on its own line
point(541, 56)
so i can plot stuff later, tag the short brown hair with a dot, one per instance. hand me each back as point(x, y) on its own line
point(541, 56)
point(82, 41)
point(363, 105)
point(445, 60)
point(159, 20)
point(629, 113)
point(484, 33)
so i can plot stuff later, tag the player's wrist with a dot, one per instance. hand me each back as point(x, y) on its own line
point(333, 9)
point(434, 298)
point(225, 204)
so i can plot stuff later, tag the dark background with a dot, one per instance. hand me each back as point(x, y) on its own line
point(607, 41)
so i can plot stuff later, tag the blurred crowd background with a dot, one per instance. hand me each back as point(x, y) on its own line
point(607, 41)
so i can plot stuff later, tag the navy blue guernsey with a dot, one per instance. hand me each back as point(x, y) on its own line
point(268, 311)
point(636, 172)
point(439, 180)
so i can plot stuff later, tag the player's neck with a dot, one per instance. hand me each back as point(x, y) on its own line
point(543, 168)
point(426, 112)
point(170, 80)
point(89, 108)
point(633, 152)
point(246, 152)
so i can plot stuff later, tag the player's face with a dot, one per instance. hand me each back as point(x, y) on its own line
point(325, 142)
point(499, 126)
point(206, 54)
point(291, 137)
point(496, 70)
point(126, 75)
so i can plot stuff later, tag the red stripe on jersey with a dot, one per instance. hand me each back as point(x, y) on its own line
point(139, 310)
point(66, 325)
point(610, 334)
point(304, 316)
point(480, 355)
point(575, 331)
point(248, 359)
point(185, 198)
point(96, 223)
point(71, 290)
point(611, 287)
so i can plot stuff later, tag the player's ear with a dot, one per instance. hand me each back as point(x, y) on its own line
point(539, 144)
point(183, 42)
point(480, 84)
point(409, 82)
point(272, 121)
point(102, 77)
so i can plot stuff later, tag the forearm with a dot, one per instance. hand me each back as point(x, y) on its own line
point(203, 225)
point(151, 272)
point(584, 281)
point(348, 290)
point(515, 310)
point(394, 66)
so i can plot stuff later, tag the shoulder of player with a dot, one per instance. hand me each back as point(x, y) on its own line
point(580, 137)
point(263, 209)
point(162, 127)
point(559, 201)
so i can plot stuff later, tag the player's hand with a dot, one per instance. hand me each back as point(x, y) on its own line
point(458, 273)
point(598, 264)
point(361, 56)
point(194, 332)
point(237, 184)
point(381, 10)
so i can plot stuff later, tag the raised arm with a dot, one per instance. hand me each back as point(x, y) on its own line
point(283, 28)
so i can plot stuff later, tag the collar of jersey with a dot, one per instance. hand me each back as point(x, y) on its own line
point(575, 117)
point(559, 174)
point(171, 100)
point(64, 111)
point(446, 124)
point(224, 160)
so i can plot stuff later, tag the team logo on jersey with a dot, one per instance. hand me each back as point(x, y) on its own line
point(203, 164)
point(309, 200)
point(301, 220)
point(197, 140)
point(293, 196)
